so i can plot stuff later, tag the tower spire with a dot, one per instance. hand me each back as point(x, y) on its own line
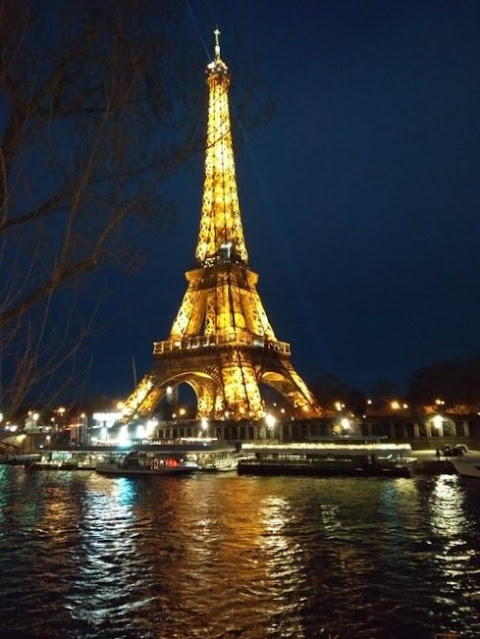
point(220, 221)
point(217, 44)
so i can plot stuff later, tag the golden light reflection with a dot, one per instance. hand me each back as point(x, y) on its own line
point(447, 507)
point(272, 511)
point(105, 539)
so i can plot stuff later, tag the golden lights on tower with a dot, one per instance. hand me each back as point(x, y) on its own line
point(220, 222)
point(221, 342)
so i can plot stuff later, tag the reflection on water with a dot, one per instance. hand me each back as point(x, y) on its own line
point(226, 556)
point(453, 557)
point(105, 540)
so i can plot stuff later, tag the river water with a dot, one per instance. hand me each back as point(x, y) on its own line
point(222, 556)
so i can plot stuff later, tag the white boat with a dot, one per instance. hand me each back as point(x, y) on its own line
point(467, 465)
point(335, 456)
point(202, 455)
point(138, 464)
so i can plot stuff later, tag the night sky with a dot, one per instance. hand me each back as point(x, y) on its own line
point(360, 198)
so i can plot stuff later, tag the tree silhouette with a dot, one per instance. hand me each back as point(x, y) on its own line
point(455, 382)
point(99, 104)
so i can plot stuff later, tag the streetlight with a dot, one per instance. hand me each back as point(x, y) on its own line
point(437, 421)
point(270, 421)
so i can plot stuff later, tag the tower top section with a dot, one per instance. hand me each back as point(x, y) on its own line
point(221, 232)
point(218, 65)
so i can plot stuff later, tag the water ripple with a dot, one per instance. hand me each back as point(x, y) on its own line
point(222, 557)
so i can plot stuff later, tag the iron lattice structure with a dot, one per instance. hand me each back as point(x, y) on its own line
point(221, 342)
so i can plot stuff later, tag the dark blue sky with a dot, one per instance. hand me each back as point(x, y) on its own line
point(360, 198)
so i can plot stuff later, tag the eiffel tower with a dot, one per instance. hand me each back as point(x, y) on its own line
point(221, 342)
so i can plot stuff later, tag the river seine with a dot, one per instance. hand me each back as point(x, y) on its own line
point(222, 556)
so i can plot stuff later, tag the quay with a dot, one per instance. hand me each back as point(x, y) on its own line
point(429, 464)
point(22, 447)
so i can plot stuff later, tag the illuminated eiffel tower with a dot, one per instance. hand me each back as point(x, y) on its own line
point(221, 342)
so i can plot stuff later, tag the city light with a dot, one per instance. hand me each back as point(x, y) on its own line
point(107, 419)
point(270, 420)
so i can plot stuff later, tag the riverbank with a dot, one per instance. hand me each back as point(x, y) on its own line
point(429, 463)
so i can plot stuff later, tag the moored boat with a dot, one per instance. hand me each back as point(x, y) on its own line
point(141, 464)
point(204, 456)
point(336, 457)
point(467, 466)
point(66, 459)
point(50, 465)
point(19, 460)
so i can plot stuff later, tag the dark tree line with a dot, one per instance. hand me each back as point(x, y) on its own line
point(330, 390)
point(454, 382)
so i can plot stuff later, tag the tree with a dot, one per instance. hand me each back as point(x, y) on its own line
point(330, 390)
point(455, 382)
point(98, 107)
point(383, 391)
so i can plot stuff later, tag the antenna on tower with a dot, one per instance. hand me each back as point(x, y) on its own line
point(217, 44)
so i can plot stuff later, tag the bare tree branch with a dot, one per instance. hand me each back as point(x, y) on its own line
point(100, 103)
